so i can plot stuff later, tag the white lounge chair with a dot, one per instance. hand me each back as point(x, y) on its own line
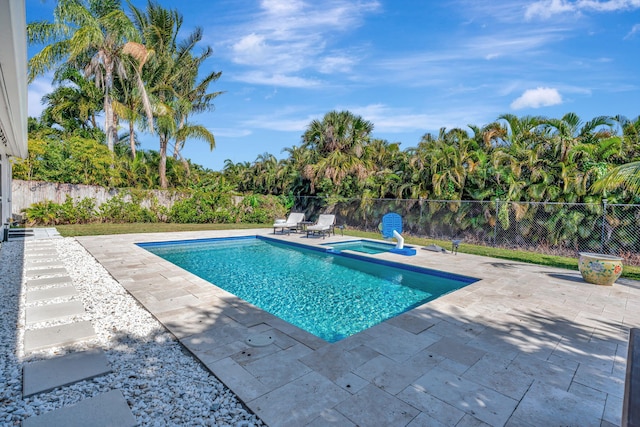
point(325, 226)
point(291, 223)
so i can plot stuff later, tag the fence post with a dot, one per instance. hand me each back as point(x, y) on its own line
point(495, 226)
point(604, 220)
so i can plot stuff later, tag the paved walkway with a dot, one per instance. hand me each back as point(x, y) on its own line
point(526, 345)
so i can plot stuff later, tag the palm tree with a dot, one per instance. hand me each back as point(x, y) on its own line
point(339, 142)
point(192, 96)
point(626, 176)
point(94, 36)
point(129, 105)
point(570, 131)
point(74, 103)
point(171, 64)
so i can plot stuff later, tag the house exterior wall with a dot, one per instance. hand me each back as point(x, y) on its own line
point(13, 96)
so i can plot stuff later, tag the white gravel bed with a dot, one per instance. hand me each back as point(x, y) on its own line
point(161, 382)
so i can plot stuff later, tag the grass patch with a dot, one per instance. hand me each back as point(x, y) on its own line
point(629, 271)
point(100, 229)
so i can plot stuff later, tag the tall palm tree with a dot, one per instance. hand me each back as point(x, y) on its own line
point(94, 36)
point(171, 64)
point(128, 105)
point(192, 95)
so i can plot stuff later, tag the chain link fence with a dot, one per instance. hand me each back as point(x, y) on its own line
point(551, 228)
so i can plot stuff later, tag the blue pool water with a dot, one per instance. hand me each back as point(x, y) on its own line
point(364, 246)
point(332, 296)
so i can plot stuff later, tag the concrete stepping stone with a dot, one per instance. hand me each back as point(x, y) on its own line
point(32, 264)
point(55, 336)
point(34, 246)
point(36, 259)
point(51, 293)
point(45, 375)
point(31, 260)
point(51, 312)
point(48, 281)
point(45, 272)
point(107, 409)
point(40, 243)
point(40, 252)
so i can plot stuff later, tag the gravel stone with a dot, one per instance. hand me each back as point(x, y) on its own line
point(162, 384)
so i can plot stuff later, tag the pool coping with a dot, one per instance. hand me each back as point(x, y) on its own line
point(402, 372)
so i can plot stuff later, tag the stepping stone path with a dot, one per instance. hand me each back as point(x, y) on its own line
point(49, 298)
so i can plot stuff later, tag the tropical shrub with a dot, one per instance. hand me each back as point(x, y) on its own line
point(44, 213)
point(117, 209)
point(259, 209)
point(203, 207)
point(77, 213)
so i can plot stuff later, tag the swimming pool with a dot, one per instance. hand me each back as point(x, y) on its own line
point(332, 296)
point(364, 246)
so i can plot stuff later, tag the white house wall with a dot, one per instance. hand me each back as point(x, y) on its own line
point(13, 95)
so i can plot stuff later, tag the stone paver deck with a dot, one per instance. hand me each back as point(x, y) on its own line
point(526, 345)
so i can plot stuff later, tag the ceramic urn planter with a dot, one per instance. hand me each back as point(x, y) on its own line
point(600, 269)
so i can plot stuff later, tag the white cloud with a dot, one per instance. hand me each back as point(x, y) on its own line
point(263, 78)
point(547, 8)
point(393, 120)
point(278, 123)
point(40, 87)
point(634, 30)
point(281, 7)
point(292, 35)
point(536, 98)
point(230, 132)
point(332, 64)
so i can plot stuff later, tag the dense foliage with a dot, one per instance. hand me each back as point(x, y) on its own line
point(215, 206)
point(131, 68)
point(56, 155)
point(534, 159)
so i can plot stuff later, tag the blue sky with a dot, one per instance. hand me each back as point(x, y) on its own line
point(408, 66)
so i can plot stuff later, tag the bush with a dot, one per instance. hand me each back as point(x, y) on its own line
point(210, 206)
point(259, 209)
point(117, 209)
point(203, 207)
point(80, 213)
point(43, 213)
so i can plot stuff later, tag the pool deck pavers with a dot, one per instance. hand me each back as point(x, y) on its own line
point(526, 345)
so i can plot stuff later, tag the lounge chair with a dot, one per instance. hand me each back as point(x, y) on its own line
point(291, 223)
point(325, 226)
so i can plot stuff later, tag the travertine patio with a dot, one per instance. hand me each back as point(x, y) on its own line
point(526, 345)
